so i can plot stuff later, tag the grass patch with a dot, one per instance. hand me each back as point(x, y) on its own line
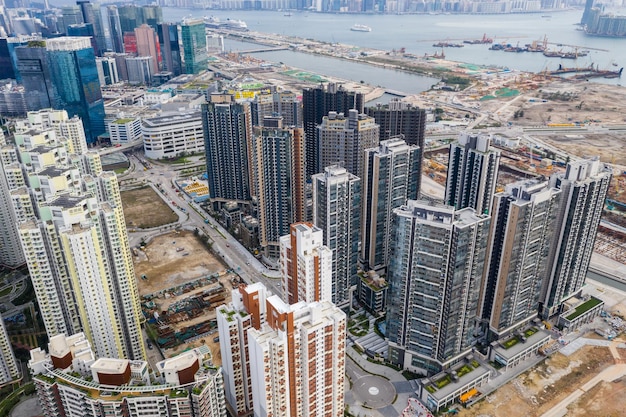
point(144, 208)
point(464, 370)
point(511, 342)
point(430, 389)
point(6, 291)
point(583, 308)
point(440, 383)
point(530, 332)
point(410, 375)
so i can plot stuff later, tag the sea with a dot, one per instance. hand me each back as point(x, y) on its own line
point(417, 33)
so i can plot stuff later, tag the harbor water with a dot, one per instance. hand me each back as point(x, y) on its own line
point(418, 33)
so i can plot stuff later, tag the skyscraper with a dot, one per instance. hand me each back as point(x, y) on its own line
point(227, 141)
point(193, 37)
point(297, 360)
point(247, 310)
point(115, 29)
point(9, 367)
point(583, 190)
point(11, 254)
point(91, 14)
point(399, 118)
point(472, 173)
point(76, 247)
point(435, 271)
point(337, 211)
point(522, 230)
point(278, 156)
point(170, 48)
point(148, 45)
point(390, 179)
point(61, 73)
point(306, 265)
point(318, 102)
point(342, 140)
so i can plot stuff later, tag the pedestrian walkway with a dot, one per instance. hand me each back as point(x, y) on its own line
point(374, 368)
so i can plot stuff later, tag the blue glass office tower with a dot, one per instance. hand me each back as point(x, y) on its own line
point(62, 73)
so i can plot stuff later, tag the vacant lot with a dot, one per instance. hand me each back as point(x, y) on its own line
point(538, 390)
point(173, 259)
point(144, 208)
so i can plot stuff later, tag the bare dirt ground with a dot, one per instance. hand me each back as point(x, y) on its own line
point(606, 399)
point(144, 208)
point(538, 390)
point(167, 267)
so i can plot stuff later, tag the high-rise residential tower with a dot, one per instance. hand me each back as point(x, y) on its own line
point(318, 102)
point(76, 246)
point(61, 73)
point(583, 190)
point(401, 119)
point(11, 254)
point(472, 173)
point(227, 143)
point(247, 310)
point(435, 272)
point(337, 211)
point(522, 230)
point(193, 37)
point(297, 360)
point(9, 366)
point(342, 140)
point(278, 160)
point(390, 179)
point(306, 265)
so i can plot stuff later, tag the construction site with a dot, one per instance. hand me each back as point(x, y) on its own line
point(181, 283)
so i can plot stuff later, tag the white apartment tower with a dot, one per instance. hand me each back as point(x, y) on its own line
point(472, 173)
point(306, 265)
point(342, 140)
point(246, 311)
point(337, 211)
point(74, 238)
point(297, 360)
point(583, 186)
point(9, 367)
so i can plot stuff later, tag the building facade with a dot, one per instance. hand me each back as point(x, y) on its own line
point(298, 360)
point(247, 310)
point(390, 179)
point(472, 173)
point(337, 211)
point(193, 38)
point(522, 230)
point(583, 186)
point(306, 265)
point(227, 140)
point(172, 135)
point(318, 102)
point(435, 272)
point(9, 366)
point(342, 140)
point(278, 160)
point(71, 381)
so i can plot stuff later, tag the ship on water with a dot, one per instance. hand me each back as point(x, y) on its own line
point(360, 28)
point(233, 24)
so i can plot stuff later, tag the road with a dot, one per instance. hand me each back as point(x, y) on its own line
point(225, 245)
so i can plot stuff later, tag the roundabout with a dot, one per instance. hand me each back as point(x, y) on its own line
point(374, 391)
